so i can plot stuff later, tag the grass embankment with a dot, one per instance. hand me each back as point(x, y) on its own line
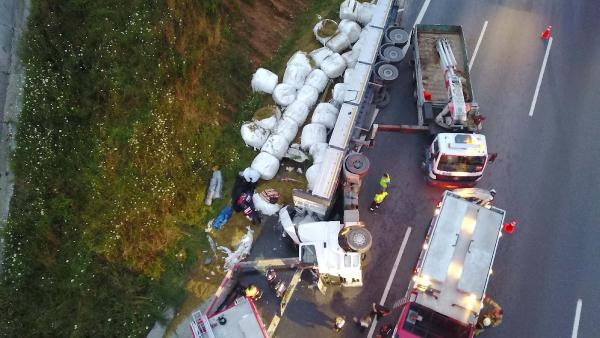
point(127, 105)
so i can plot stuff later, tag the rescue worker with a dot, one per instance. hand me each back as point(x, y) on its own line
point(339, 323)
point(377, 200)
point(364, 323)
point(491, 315)
point(384, 181)
point(385, 331)
point(253, 292)
point(379, 310)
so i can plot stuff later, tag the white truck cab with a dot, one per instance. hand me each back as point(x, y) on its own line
point(334, 248)
point(457, 159)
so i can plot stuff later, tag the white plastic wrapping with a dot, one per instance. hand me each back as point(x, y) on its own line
point(253, 135)
point(287, 127)
point(312, 133)
point(324, 35)
point(351, 29)
point(317, 151)
point(264, 206)
point(266, 164)
point(267, 117)
point(297, 111)
point(299, 58)
point(320, 54)
point(294, 153)
point(276, 145)
point(317, 79)
point(339, 92)
point(284, 94)
point(333, 66)
point(338, 42)
point(325, 114)
point(251, 175)
point(312, 174)
point(351, 58)
point(309, 95)
point(264, 81)
point(348, 10)
point(295, 75)
point(364, 13)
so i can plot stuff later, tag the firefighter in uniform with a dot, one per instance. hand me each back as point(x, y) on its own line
point(377, 200)
point(252, 292)
point(384, 181)
point(491, 315)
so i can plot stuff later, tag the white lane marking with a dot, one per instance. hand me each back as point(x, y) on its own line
point(576, 320)
point(539, 82)
point(422, 12)
point(418, 21)
point(388, 285)
point(478, 44)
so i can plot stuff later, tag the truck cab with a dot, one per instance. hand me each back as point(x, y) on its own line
point(448, 287)
point(334, 248)
point(456, 159)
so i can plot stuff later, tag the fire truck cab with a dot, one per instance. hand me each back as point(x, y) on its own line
point(447, 290)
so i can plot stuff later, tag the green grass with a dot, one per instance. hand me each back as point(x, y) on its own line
point(123, 117)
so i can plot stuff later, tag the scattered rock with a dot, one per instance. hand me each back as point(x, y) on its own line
point(207, 260)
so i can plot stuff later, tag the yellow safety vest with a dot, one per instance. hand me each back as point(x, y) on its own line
point(251, 292)
point(380, 197)
point(384, 181)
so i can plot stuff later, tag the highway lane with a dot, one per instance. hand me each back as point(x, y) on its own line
point(546, 173)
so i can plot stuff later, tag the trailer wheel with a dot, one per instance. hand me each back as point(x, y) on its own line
point(359, 239)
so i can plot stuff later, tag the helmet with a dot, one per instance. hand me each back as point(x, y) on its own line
point(487, 321)
point(493, 192)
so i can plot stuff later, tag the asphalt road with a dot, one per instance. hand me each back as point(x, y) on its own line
point(545, 175)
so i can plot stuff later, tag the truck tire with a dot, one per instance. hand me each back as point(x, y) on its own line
point(359, 239)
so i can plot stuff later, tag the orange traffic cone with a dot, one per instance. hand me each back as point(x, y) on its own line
point(546, 33)
point(509, 228)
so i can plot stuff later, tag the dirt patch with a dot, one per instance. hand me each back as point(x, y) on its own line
point(263, 24)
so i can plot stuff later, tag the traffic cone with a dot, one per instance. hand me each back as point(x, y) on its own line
point(509, 228)
point(546, 33)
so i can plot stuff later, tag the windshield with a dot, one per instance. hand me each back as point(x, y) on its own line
point(469, 164)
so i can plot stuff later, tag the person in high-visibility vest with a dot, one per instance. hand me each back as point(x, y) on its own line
point(490, 316)
point(252, 292)
point(377, 200)
point(384, 181)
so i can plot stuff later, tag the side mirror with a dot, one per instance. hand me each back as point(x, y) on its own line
point(492, 157)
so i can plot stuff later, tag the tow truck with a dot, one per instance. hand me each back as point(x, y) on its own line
point(446, 293)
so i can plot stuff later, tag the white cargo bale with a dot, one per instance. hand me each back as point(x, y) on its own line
point(251, 175)
point(297, 111)
point(348, 10)
point(334, 65)
point(308, 95)
point(338, 42)
point(320, 54)
point(317, 79)
point(351, 29)
point(312, 174)
point(325, 30)
point(364, 13)
point(312, 133)
point(300, 59)
point(317, 151)
point(267, 116)
point(266, 164)
point(253, 135)
point(264, 81)
point(351, 58)
point(295, 75)
point(339, 92)
point(284, 94)
point(275, 145)
point(325, 114)
point(287, 127)
point(264, 206)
